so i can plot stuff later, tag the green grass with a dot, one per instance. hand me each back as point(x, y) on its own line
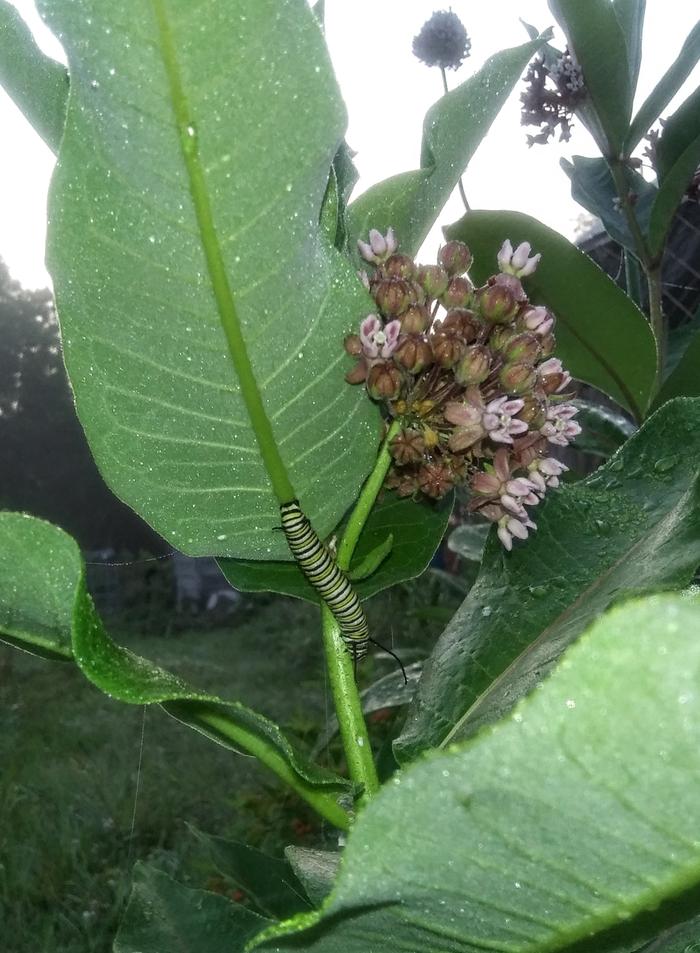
point(69, 760)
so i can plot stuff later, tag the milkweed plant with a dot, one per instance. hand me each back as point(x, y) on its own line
point(269, 371)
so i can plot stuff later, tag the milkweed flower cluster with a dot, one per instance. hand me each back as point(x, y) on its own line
point(470, 375)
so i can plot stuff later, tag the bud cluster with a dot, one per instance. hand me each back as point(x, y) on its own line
point(470, 375)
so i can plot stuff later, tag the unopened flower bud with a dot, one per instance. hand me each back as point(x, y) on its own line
point(415, 319)
point(448, 347)
point(384, 381)
point(433, 280)
point(407, 447)
point(517, 262)
point(553, 378)
point(517, 378)
point(534, 411)
point(501, 336)
point(463, 322)
point(459, 293)
point(496, 304)
point(399, 266)
point(455, 258)
point(524, 348)
point(537, 319)
point(435, 480)
point(414, 353)
point(379, 247)
point(547, 344)
point(392, 295)
point(353, 345)
point(474, 366)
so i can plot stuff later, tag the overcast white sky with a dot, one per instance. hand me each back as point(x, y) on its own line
point(387, 92)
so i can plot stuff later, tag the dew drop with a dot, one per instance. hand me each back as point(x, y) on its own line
point(666, 463)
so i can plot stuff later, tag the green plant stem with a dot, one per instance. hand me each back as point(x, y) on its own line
point(276, 470)
point(650, 264)
point(341, 675)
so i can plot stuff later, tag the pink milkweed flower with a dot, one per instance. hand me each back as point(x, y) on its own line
point(559, 428)
point(539, 320)
point(509, 526)
point(379, 341)
point(499, 419)
point(379, 247)
point(545, 472)
point(517, 262)
point(554, 366)
point(496, 483)
point(466, 415)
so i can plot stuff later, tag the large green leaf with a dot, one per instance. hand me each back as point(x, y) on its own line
point(684, 381)
point(603, 430)
point(632, 527)
point(596, 37)
point(678, 157)
point(593, 187)
point(562, 829)
point(664, 91)
point(154, 385)
point(411, 202)
point(37, 84)
point(602, 337)
point(45, 609)
point(416, 530)
point(630, 16)
point(162, 916)
point(316, 869)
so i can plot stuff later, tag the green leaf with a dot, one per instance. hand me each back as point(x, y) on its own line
point(316, 869)
point(454, 126)
point(596, 37)
point(593, 187)
point(602, 337)
point(631, 528)
point(162, 916)
point(155, 388)
point(678, 154)
point(679, 339)
point(266, 881)
point(603, 430)
point(630, 16)
point(664, 91)
point(417, 529)
point(45, 609)
point(684, 381)
point(563, 828)
point(468, 540)
point(37, 84)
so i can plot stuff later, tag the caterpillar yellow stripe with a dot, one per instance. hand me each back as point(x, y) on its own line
point(324, 574)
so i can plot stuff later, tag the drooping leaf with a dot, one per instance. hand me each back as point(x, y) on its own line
point(316, 869)
point(664, 91)
point(454, 126)
point(417, 529)
point(684, 380)
point(46, 610)
point(37, 84)
point(678, 157)
point(631, 528)
point(163, 916)
point(603, 430)
point(267, 882)
point(596, 37)
point(164, 121)
point(593, 187)
point(602, 337)
point(561, 829)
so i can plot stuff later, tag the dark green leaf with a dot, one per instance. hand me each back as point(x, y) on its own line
point(630, 16)
point(593, 187)
point(316, 869)
point(417, 529)
point(266, 881)
point(602, 337)
point(595, 36)
point(603, 430)
point(162, 916)
point(678, 157)
point(665, 89)
point(144, 346)
point(411, 202)
point(468, 540)
point(679, 339)
point(37, 84)
point(45, 609)
point(684, 381)
point(561, 829)
point(632, 527)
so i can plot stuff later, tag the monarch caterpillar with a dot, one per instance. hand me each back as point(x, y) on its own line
point(327, 578)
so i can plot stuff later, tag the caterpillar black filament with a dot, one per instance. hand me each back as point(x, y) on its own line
point(326, 577)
